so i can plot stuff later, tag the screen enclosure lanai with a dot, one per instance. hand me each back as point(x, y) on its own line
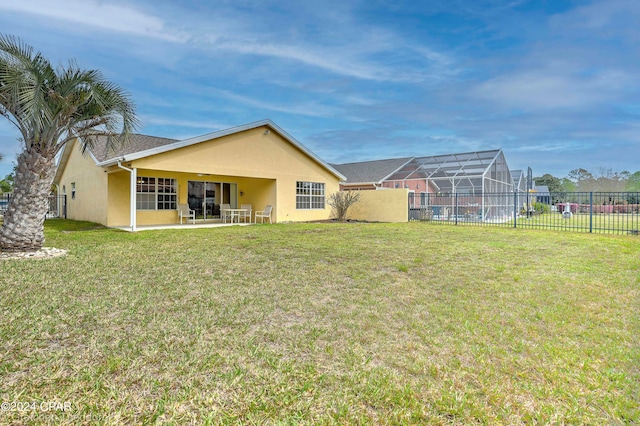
point(480, 181)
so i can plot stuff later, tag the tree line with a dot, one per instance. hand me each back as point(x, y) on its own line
point(6, 184)
point(599, 180)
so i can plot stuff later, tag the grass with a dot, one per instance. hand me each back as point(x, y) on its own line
point(583, 222)
point(323, 324)
point(623, 224)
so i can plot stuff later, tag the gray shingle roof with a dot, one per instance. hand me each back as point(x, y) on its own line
point(137, 143)
point(370, 171)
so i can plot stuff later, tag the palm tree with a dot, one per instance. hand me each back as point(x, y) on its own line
point(51, 107)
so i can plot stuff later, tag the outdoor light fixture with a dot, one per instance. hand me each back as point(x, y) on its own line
point(266, 132)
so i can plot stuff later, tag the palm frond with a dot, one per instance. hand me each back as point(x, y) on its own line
point(52, 106)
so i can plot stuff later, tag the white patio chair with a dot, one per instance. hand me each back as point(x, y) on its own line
point(184, 212)
point(224, 212)
point(264, 214)
point(246, 214)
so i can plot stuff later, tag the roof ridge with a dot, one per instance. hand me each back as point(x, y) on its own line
point(372, 161)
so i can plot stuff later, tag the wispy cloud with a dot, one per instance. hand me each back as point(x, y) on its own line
point(311, 109)
point(546, 89)
point(621, 16)
point(312, 56)
point(559, 146)
point(490, 7)
point(347, 60)
point(110, 17)
point(163, 121)
point(358, 54)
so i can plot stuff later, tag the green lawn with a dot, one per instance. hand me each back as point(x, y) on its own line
point(583, 222)
point(621, 224)
point(323, 324)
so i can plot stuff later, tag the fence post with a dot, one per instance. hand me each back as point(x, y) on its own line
point(455, 212)
point(515, 209)
point(591, 212)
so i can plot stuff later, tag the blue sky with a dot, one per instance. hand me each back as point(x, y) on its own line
point(555, 84)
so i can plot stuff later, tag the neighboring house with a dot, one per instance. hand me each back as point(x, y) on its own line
point(377, 174)
point(142, 184)
point(542, 194)
point(463, 173)
point(367, 175)
point(477, 177)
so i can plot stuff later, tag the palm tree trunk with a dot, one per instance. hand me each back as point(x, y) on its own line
point(23, 227)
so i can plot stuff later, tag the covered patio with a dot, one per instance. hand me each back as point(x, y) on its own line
point(152, 197)
point(197, 225)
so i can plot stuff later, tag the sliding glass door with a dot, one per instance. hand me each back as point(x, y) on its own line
point(205, 197)
point(202, 198)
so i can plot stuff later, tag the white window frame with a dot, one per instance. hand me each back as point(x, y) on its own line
point(154, 193)
point(310, 195)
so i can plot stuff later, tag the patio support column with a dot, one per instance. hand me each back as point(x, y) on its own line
point(134, 178)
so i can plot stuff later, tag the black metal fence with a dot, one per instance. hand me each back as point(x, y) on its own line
point(595, 212)
point(57, 205)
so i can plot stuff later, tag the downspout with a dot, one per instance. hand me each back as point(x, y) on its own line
point(132, 192)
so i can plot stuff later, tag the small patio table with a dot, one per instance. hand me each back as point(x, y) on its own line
point(234, 213)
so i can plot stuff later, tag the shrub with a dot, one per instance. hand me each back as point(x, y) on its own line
point(541, 207)
point(341, 201)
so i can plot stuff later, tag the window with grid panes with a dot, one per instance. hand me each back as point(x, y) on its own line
point(309, 195)
point(156, 193)
point(167, 194)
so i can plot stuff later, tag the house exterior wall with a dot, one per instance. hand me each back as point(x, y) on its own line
point(386, 205)
point(265, 167)
point(90, 187)
point(118, 201)
point(256, 161)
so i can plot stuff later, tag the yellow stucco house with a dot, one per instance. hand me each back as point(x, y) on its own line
point(143, 184)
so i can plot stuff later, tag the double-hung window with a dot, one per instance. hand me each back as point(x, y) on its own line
point(309, 195)
point(156, 193)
